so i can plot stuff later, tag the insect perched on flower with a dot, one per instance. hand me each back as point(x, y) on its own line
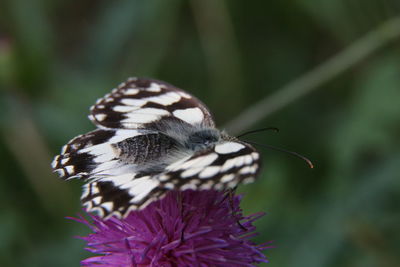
point(152, 138)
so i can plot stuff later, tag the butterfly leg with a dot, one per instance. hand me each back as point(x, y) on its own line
point(181, 206)
point(230, 195)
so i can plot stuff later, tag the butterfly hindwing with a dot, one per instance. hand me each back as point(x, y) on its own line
point(220, 167)
point(120, 194)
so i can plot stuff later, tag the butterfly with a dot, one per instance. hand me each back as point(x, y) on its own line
point(151, 137)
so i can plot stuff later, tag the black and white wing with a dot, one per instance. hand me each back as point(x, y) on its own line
point(144, 103)
point(92, 155)
point(222, 166)
point(119, 194)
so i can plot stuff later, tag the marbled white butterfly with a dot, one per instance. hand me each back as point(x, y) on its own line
point(151, 137)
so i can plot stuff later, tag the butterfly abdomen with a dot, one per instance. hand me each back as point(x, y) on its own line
point(143, 149)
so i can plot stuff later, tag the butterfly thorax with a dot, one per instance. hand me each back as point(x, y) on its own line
point(191, 137)
point(202, 139)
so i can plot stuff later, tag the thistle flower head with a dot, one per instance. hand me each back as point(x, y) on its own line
point(190, 228)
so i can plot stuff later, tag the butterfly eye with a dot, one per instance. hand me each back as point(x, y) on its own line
point(209, 139)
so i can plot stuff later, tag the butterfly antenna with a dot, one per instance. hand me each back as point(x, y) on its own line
point(286, 151)
point(258, 130)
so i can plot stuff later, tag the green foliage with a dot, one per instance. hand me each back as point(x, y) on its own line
point(58, 57)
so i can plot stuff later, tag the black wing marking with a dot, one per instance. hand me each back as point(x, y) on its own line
point(220, 167)
point(143, 103)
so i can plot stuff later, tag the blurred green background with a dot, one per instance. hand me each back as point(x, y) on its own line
point(57, 57)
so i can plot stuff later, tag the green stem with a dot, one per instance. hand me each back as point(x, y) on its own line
point(344, 60)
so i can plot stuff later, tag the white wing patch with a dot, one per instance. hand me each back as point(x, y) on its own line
point(209, 171)
point(154, 87)
point(131, 91)
point(190, 115)
point(100, 117)
point(141, 187)
point(229, 147)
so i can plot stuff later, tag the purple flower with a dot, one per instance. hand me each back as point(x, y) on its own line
point(190, 228)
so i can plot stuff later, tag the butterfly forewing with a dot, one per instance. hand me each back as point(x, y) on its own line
point(144, 103)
